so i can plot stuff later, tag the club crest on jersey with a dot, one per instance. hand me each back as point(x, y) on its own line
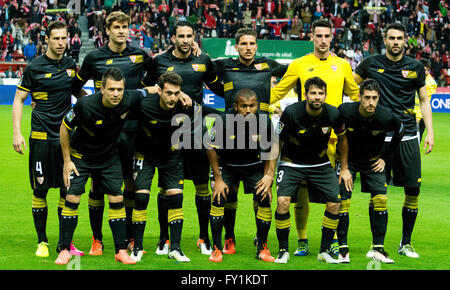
point(334, 67)
point(133, 58)
point(377, 132)
point(124, 115)
point(256, 137)
point(325, 130)
point(199, 67)
point(70, 72)
point(261, 66)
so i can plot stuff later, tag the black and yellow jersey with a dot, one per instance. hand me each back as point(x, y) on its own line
point(130, 61)
point(49, 83)
point(305, 137)
point(156, 127)
point(399, 82)
point(236, 75)
point(195, 71)
point(335, 71)
point(240, 141)
point(366, 135)
point(96, 128)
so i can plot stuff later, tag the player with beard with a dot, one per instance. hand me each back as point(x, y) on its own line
point(400, 76)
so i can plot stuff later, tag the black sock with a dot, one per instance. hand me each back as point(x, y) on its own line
point(329, 224)
point(139, 219)
point(283, 226)
point(342, 229)
point(409, 213)
point(128, 199)
point(96, 204)
point(175, 217)
point(117, 223)
point(217, 221)
point(162, 217)
point(230, 216)
point(68, 224)
point(203, 204)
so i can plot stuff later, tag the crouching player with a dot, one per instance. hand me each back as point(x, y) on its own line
point(367, 124)
point(243, 134)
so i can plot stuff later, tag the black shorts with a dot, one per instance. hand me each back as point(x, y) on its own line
point(403, 167)
point(170, 172)
point(196, 166)
point(322, 179)
point(125, 146)
point(107, 175)
point(45, 165)
point(249, 175)
point(371, 181)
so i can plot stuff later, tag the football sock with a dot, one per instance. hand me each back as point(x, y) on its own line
point(117, 223)
point(379, 218)
point(128, 199)
point(409, 213)
point(344, 221)
point(216, 221)
point(283, 226)
point(139, 219)
point(40, 213)
point(230, 215)
point(175, 217)
point(162, 216)
point(263, 220)
point(69, 222)
point(329, 224)
point(96, 204)
point(203, 204)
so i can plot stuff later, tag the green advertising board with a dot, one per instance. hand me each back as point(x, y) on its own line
point(280, 50)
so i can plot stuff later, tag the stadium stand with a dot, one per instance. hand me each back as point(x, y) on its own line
point(358, 25)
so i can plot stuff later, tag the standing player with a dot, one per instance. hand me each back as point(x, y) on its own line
point(400, 77)
point(244, 129)
point(195, 71)
point(367, 124)
point(155, 149)
point(246, 71)
point(305, 129)
point(130, 60)
point(337, 73)
point(48, 79)
point(96, 122)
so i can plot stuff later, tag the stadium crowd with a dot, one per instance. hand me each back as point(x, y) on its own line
point(358, 24)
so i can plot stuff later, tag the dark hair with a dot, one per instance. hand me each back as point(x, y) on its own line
point(114, 74)
point(118, 16)
point(170, 77)
point(426, 63)
point(369, 85)
point(181, 24)
point(396, 26)
point(57, 24)
point(245, 31)
point(246, 93)
point(321, 23)
point(315, 81)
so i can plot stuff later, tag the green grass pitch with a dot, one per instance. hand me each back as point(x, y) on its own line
point(430, 238)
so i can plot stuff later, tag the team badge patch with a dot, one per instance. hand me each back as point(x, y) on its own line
point(334, 67)
point(70, 72)
point(40, 179)
point(325, 130)
point(256, 138)
point(70, 115)
point(124, 115)
point(377, 132)
point(405, 73)
point(199, 67)
point(280, 127)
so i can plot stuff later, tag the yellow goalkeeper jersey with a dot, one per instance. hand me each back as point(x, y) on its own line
point(335, 71)
point(431, 90)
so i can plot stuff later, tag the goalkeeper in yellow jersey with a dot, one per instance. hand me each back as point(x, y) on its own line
point(337, 74)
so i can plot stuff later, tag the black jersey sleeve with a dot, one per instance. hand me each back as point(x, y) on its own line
point(278, 69)
point(363, 68)
point(151, 77)
point(71, 120)
point(27, 81)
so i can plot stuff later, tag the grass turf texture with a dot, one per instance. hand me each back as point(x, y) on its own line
point(430, 238)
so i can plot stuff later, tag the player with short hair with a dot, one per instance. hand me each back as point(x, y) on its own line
point(195, 72)
point(400, 76)
point(337, 73)
point(304, 131)
point(255, 73)
point(89, 135)
point(48, 79)
point(155, 149)
point(236, 144)
point(367, 123)
point(130, 60)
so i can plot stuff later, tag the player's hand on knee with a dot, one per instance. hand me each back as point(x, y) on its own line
point(220, 189)
point(379, 165)
point(264, 187)
point(18, 141)
point(69, 167)
point(346, 177)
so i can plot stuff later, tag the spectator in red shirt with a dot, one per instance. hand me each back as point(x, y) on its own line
point(210, 23)
point(270, 7)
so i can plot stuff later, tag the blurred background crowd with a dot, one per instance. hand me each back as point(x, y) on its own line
point(358, 25)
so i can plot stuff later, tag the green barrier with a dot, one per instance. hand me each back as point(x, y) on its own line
point(274, 49)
